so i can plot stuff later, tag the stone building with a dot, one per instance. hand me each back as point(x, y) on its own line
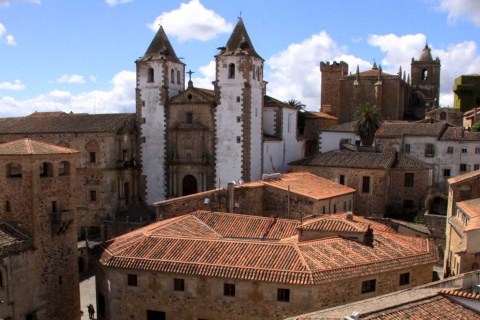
point(385, 182)
point(294, 195)
point(106, 174)
point(449, 115)
point(466, 89)
point(38, 251)
point(463, 224)
point(315, 123)
point(194, 140)
point(396, 96)
point(451, 150)
point(213, 265)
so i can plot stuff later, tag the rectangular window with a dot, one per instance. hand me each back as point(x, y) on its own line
point(476, 166)
point(179, 284)
point(409, 179)
point(229, 289)
point(132, 280)
point(239, 139)
point(429, 150)
point(463, 167)
point(93, 157)
point(156, 315)
point(93, 195)
point(477, 149)
point(239, 119)
point(189, 118)
point(464, 149)
point(341, 179)
point(283, 295)
point(54, 206)
point(369, 286)
point(404, 279)
point(407, 148)
point(449, 149)
point(358, 142)
point(446, 172)
point(365, 184)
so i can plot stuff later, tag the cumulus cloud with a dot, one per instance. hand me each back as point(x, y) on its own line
point(457, 9)
point(9, 39)
point(192, 21)
point(15, 85)
point(4, 3)
point(295, 73)
point(207, 73)
point(71, 78)
point(399, 50)
point(120, 98)
point(112, 3)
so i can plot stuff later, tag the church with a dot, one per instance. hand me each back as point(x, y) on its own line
point(193, 139)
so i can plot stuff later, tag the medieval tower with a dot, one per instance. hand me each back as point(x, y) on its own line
point(239, 90)
point(160, 75)
point(38, 254)
point(330, 85)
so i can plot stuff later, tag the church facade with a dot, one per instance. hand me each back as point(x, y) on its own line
point(398, 96)
point(193, 139)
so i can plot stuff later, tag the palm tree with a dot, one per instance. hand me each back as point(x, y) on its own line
point(367, 120)
point(300, 114)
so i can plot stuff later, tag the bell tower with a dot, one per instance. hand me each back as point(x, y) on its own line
point(160, 75)
point(239, 91)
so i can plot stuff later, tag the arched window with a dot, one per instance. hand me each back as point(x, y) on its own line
point(178, 77)
point(64, 168)
point(424, 74)
point(150, 75)
point(14, 170)
point(172, 76)
point(258, 73)
point(189, 158)
point(231, 71)
point(46, 170)
point(253, 72)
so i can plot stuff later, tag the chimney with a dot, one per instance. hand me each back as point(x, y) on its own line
point(230, 192)
point(368, 238)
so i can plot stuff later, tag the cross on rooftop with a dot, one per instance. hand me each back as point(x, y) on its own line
point(190, 74)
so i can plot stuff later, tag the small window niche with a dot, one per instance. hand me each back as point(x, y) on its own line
point(231, 71)
point(64, 168)
point(14, 170)
point(150, 75)
point(46, 170)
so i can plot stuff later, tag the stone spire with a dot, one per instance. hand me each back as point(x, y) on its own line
point(160, 48)
point(426, 54)
point(239, 42)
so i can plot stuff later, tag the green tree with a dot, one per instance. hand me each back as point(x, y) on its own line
point(300, 114)
point(367, 120)
point(475, 127)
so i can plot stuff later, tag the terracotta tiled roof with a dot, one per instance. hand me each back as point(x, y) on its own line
point(12, 241)
point(32, 147)
point(461, 294)
point(344, 127)
point(464, 177)
point(472, 209)
point(412, 225)
point(404, 161)
point(394, 129)
point(206, 244)
point(341, 158)
point(335, 225)
point(460, 134)
point(309, 185)
point(64, 123)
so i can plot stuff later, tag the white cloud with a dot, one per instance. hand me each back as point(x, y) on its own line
point(121, 98)
point(456, 60)
point(295, 72)
point(208, 75)
point(112, 3)
point(16, 85)
point(5, 3)
point(192, 21)
point(456, 9)
point(71, 78)
point(9, 39)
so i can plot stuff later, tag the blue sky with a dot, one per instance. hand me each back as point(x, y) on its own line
point(79, 55)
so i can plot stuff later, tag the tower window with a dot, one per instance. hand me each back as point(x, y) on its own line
point(93, 157)
point(178, 76)
point(93, 195)
point(231, 71)
point(54, 206)
point(238, 99)
point(189, 118)
point(150, 75)
point(8, 207)
point(172, 76)
point(46, 170)
point(443, 116)
point(424, 74)
point(258, 73)
point(239, 139)
point(365, 184)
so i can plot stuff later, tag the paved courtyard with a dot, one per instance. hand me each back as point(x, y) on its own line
point(87, 293)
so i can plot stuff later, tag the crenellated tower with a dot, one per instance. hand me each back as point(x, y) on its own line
point(239, 91)
point(330, 87)
point(160, 75)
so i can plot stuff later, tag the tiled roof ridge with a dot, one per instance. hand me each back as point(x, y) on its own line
point(28, 145)
point(304, 261)
point(206, 225)
point(352, 225)
point(460, 294)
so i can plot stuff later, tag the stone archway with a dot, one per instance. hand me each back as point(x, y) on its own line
point(189, 185)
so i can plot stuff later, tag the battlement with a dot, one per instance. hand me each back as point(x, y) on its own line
point(341, 66)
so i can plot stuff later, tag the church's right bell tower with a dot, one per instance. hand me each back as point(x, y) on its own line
point(160, 75)
point(425, 82)
point(239, 92)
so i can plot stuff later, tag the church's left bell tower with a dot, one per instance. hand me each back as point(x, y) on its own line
point(160, 76)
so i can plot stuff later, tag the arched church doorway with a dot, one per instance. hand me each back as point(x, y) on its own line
point(189, 185)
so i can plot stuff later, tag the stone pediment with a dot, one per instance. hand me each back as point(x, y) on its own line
point(194, 95)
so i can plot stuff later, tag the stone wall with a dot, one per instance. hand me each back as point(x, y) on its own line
point(203, 297)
